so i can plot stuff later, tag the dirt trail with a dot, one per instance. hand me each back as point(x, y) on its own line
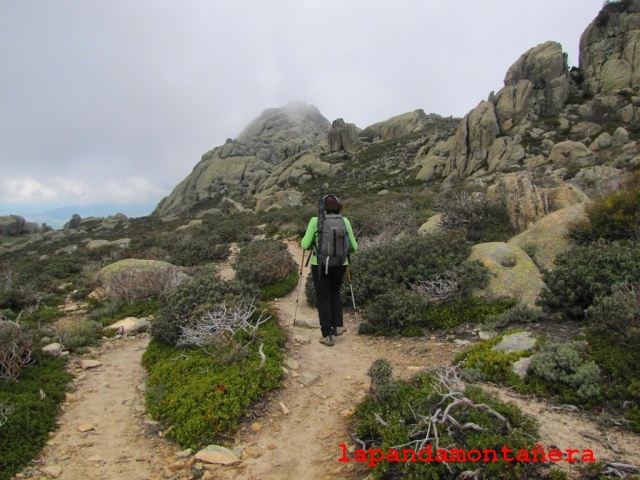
point(102, 434)
point(297, 430)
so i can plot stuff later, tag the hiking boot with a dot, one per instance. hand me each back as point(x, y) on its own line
point(328, 341)
point(339, 331)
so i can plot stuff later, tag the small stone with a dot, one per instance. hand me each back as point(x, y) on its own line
point(285, 371)
point(272, 446)
point(462, 343)
point(95, 459)
point(217, 454)
point(256, 426)
point(486, 334)
point(85, 428)
point(284, 408)
point(292, 364)
point(413, 368)
point(184, 453)
point(53, 471)
point(70, 397)
point(86, 364)
point(307, 379)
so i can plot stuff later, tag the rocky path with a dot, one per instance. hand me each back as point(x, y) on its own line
point(295, 433)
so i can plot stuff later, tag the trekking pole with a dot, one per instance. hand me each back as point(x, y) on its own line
point(353, 299)
point(299, 284)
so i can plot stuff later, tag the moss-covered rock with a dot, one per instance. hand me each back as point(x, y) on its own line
point(514, 273)
point(550, 234)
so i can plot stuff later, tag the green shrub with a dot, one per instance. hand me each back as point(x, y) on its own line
point(80, 334)
point(280, 289)
point(515, 315)
point(620, 366)
point(392, 312)
point(615, 216)
point(399, 421)
point(382, 385)
point(483, 363)
point(196, 248)
point(382, 268)
point(191, 300)
point(201, 400)
point(618, 315)
point(264, 262)
point(478, 219)
point(463, 310)
point(33, 414)
point(563, 369)
point(586, 272)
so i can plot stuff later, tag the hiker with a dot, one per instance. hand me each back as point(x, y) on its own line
point(327, 278)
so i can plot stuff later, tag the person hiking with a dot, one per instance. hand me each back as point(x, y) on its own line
point(329, 262)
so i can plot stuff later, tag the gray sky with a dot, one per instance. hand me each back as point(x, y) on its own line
point(115, 101)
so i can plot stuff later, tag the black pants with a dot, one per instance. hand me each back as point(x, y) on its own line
point(327, 287)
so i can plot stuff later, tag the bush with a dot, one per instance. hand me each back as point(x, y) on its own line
point(192, 300)
point(385, 267)
point(396, 311)
point(482, 363)
point(264, 262)
point(382, 385)
point(80, 334)
point(196, 248)
point(516, 315)
point(586, 272)
point(618, 315)
point(135, 284)
point(201, 400)
point(410, 414)
point(280, 289)
point(33, 415)
point(477, 218)
point(563, 369)
point(612, 217)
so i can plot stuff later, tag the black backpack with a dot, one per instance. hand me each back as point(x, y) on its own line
point(333, 241)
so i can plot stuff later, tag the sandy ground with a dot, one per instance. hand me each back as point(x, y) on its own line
point(294, 433)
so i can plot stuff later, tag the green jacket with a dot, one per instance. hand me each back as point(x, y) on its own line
point(307, 243)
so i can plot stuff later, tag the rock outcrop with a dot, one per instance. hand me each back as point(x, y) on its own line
point(514, 275)
point(236, 169)
point(343, 136)
point(610, 48)
point(524, 201)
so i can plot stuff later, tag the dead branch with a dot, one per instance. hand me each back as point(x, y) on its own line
point(451, 389)
point(440, 287)
point(381, 421)
point(5, 411)
point(220, 326)
point(263, 357)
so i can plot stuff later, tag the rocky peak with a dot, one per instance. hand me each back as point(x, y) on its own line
point(609, 48)
point(279, 133)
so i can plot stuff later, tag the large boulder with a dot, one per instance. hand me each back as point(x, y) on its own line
point(525, 202)
point(11, 225)
point(472, 141)
point(514, 275)
point(538, 83)
point(549, 235)
point(610, 48)
point(343, 136)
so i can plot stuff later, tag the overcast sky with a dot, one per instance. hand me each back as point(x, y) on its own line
point(115, 101)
